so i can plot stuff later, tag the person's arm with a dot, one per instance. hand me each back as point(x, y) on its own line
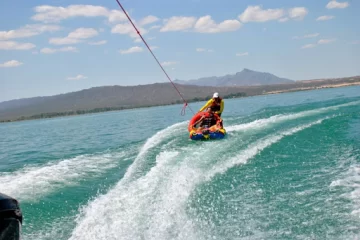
point(218, 119)
point(219, 123)
point(198, 121)
point(221, 106)
point(206, 105)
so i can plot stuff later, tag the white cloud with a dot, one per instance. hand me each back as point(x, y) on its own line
point(312, 35)
point(132, 50)
point(155, 27)
point(326, 41)
point(11, 45)
point(128, 29)
point(168, 63)
point(83, 33)
point(46, 13)
point(154, 47)
point(321, 41)
point(102, 42)
point(75, 37)
point(138, 39)
point(68, 49)
point(203, 24)
point(116, 16)
point(148, 20)
point(12, 63)
point(28, 31)
point(257, 14)
point(242, 54)
point(55, 50)
point(298, 13)
point(284, 19)
point(63, 41)
point(207, 25)
point(324, 18)
point(78, 77)
point(178, 24)
point(355, 42)
point(334, 4)
point(308, 46)
point(48, 50)
point(204, 50)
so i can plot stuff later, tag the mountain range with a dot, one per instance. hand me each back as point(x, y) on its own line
point(106, 98)
point(109, 98)
point(246, 77)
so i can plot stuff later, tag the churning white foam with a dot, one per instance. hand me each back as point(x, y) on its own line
point(152, 142)
point(147, 208)
point(351, 184)
point(154, 206)
point(255, 148)
point(160, 136)
point(265, 122)
point(56, 229)
point(30, 183)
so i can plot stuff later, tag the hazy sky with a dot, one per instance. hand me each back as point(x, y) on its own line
point(52, 47)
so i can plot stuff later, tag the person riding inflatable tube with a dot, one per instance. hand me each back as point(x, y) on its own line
point(216, 104)
point(206, 125)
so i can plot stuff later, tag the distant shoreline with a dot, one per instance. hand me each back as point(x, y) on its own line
point(229, 96)
point(315, 88)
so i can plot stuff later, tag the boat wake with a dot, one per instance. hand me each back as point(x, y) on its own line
point(156, 204)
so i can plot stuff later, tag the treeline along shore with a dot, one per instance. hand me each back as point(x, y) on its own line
point(113, 98)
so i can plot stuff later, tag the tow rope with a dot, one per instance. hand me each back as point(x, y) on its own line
point(138, 32)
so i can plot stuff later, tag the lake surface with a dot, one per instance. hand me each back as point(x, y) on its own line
point(289, 168)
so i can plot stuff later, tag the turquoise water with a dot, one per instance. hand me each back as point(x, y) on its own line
point(289, 168)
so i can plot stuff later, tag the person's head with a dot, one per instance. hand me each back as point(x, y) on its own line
point(209, 110)
point(216, 97)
